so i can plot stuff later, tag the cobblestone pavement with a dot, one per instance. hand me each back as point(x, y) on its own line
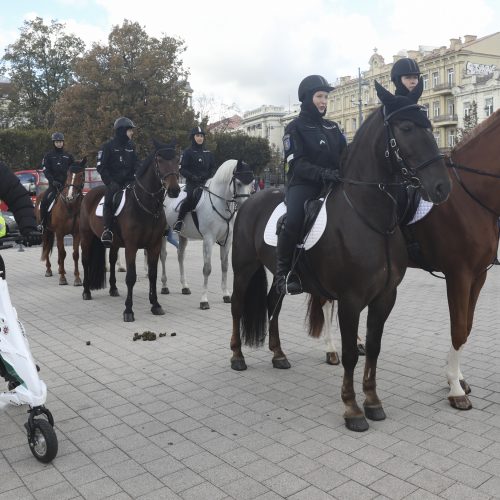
point(169, 419)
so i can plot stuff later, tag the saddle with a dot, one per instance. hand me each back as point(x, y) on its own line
point(118, 203)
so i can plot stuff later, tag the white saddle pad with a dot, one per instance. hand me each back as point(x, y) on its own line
point(100, 205)
point(51, 206)
point(424, 207)
point(314, 234)
point(172, 204)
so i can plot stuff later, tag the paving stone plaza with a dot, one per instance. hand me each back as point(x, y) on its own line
point(169, 419)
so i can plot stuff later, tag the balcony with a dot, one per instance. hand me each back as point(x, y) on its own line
point(442, 88)
point(443, 120)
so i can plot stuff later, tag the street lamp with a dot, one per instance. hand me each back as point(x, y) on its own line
point(360, 101)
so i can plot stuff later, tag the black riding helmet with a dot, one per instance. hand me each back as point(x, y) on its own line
point(311, 84)
point(195, 131)
point(402, 67)
point(123, 122)
point(57, 136)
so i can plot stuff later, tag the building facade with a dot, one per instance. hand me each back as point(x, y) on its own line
point(265, 122)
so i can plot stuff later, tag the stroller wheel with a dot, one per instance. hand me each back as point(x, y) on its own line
point(42, 441)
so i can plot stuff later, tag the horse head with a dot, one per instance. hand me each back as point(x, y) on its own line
point(410, 144)
point(167, 167)
point(75, 181)
point(242, 181)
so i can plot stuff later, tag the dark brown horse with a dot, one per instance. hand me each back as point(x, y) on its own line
point(63, 220)
point(140, 224)
point(360, 258)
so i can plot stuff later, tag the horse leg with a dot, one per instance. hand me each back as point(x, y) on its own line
point(274, 303)
point(207, 270)
point(181, 252)
point(224, 260)
point(348, 312)
point(86, 244)
point(61, 255)
point(378, 312)
point(47, 244)
point(153, 254)
point(332, 356)
point(163, 259)
point(76, 258)
point(121, 268)
point(113, 257)
point(130, 279)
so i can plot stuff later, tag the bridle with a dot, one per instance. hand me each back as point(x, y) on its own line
point(78, 187)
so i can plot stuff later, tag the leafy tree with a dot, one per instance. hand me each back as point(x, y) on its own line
point(470, 122)
point(23, 149)
point(39, 65)
point(134, 75)
point(253, 150)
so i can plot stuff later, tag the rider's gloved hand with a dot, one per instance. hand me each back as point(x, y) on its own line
point(31, 237)
point(114, 186)
point(329, 175)
point(57, 185)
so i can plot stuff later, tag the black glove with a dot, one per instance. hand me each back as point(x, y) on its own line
point(329, 176)
point(114, 186)
point(31, 237)
point(57, 185)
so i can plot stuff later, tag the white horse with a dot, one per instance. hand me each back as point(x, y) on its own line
point(221, 197)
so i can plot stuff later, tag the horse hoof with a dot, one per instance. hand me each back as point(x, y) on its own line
point(77, 282)
point(465, 386)
point(114, 292)
point(374, 412)
point(204, 305)
point(356, 424)
point(165, 291)
point(157, 310)
point(332, 358)
point(460, 402)
point(281, 364)
point(238, 364)
point(122, 269)
point(227, 299)
point(48, 274)
point(87, 296)
point(128, 317)
point(186, 291)
point(63, 281)
point(361, 350)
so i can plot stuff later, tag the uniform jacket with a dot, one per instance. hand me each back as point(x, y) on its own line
point(311, 145)
point(197, 165)
point(55, 165)
point(117, 161)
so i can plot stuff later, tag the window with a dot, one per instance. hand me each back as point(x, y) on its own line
point(451, 137)
point(425, 81)
point(435, 109)
point(426, 108)
point(467, 109)
point(435, 79)
point(488, 106)
point(437, 136)
point(450, 106)
point(353, 101)
point(451, 76)
point(354, 122)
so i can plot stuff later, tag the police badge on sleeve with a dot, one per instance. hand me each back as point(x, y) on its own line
point(287, 142)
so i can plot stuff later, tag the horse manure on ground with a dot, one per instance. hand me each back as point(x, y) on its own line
point(148, 335)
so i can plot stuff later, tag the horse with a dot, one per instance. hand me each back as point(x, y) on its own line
point(359, 259)
point(221, 198)
point(141, 223)
point(63, 220)
point(460, 239)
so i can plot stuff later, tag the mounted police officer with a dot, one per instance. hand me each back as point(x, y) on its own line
point(55, 165)
point(116, 163)
point(197, 166)
point(313, 147)
point(405, 74)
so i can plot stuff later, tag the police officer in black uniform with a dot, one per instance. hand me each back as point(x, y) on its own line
point(313, 147)
point(55, 166)
point(19, 202)
point(405, 74)
point(197, 166)
point(116, 163)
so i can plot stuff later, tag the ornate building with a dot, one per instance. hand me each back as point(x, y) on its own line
point(265, 121)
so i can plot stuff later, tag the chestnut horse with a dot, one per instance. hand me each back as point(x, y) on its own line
point(360, 259)
point(140, 224)
point(64, 219)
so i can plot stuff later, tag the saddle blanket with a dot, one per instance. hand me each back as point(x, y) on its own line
point(424, 207)
point(173, 204)
point(311, 239)
point(100, 205)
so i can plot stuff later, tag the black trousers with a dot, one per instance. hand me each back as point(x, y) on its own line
point(190, 201)
point(296, 196)
point(107, 209)
point(47, 198)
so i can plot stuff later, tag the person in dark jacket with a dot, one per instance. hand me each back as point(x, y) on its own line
point(117, 163)
point(55, 165)
point(197, 166)
point(19, 202)
point(405, 75)
point(313, 147)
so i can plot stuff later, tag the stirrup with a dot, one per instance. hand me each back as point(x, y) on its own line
point(107, 237)
point(179, 224)
point(293, 285)
point(41, 228)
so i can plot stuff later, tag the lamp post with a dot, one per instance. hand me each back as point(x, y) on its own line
point(360, 102)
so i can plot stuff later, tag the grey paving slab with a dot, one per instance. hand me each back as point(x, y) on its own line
point(169, 419)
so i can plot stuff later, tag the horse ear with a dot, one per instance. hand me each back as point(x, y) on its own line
point(416, 92)
point(386, 98)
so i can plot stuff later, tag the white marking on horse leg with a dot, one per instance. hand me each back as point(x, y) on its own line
point(207, 266)
point(70, 190)
point(163, 258)
point(180, 258)
point(453, 372)
point(327, 329)
point(224, 260)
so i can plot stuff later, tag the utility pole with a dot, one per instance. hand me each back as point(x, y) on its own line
point(360, 102)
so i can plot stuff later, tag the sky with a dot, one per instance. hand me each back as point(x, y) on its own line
point(242, 55)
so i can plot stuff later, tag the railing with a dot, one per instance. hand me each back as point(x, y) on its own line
point(445, 118)
point(442, 86)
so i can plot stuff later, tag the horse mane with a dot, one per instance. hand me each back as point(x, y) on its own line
point(477, 131)
point(224, 173)
point(145, 164)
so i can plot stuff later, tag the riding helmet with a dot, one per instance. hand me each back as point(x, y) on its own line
point(404, 66)
point(123, 122)
point(57, 136)
point(197, 130)
point(311, 84)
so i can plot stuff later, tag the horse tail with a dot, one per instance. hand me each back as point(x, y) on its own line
point(315, 315)
point(253, 321)
point(97, 264)
point(47, 244)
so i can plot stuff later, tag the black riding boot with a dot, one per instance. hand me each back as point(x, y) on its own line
point(179, 223)
point(287, 283)
point(107, 219)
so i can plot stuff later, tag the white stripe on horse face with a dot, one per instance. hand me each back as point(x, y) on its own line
point(70, 190)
